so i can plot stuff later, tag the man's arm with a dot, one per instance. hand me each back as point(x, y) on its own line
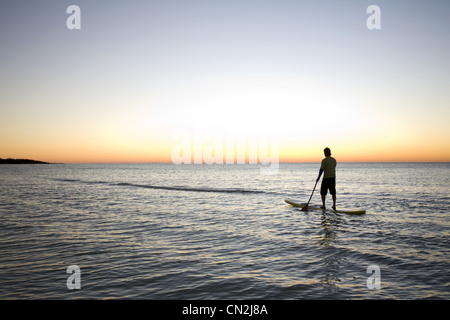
point(320, 173)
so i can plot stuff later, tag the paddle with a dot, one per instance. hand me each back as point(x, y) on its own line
point(305, 208)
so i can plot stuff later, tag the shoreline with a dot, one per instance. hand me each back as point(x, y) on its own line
point(21, 161)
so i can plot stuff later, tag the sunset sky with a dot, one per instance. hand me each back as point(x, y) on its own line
point(308, 73)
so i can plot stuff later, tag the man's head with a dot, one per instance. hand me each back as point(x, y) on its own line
point(327, 152)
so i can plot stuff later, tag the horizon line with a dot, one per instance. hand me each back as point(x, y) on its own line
point(203, 162)
point(209, 164)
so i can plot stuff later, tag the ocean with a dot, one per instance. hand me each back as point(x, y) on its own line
point(167, 231)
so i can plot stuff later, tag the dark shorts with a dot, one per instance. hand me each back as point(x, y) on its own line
point(328, 184)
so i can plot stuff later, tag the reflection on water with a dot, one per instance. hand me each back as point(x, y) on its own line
point(332, 259)
point(330, 223)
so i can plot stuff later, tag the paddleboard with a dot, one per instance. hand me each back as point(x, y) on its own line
point(299, 204)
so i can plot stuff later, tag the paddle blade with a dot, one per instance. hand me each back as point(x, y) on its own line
point(305, 208)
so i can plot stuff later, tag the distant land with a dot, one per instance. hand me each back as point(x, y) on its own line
point(20, 161)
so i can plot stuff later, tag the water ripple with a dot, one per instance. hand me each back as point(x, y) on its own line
point(143, 232)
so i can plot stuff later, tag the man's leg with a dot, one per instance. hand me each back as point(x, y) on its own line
point(323, 201)
point(323, 192)
point(333, 192)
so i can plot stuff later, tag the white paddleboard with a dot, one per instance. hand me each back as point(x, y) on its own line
point(299, 204)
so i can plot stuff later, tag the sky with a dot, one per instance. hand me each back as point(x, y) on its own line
point(139, 78)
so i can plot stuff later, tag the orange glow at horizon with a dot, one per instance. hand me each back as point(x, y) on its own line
point(161, 153)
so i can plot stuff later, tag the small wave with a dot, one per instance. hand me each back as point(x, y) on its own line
point(172, 188)
point(68, 180)
point(182, 188)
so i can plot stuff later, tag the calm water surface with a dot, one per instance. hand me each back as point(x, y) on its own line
point(164, 231)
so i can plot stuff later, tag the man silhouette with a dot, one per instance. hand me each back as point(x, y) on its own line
point(328, 168)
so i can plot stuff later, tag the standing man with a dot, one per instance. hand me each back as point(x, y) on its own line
point(328, 168)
